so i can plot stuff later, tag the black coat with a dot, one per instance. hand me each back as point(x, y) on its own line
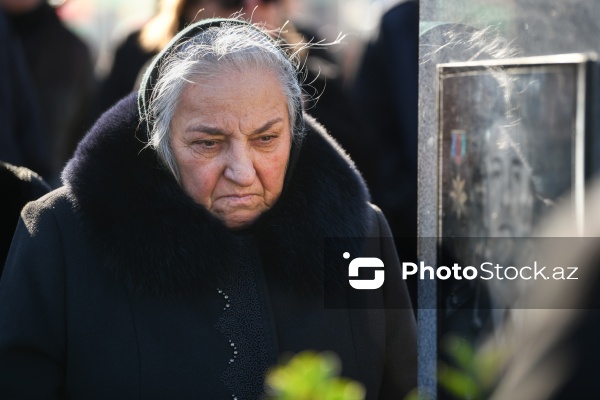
point(115, 285)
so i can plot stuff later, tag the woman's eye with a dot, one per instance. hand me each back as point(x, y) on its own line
point(206, 144)
point(266, 139)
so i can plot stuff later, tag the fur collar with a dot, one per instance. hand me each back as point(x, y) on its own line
point(158, 240)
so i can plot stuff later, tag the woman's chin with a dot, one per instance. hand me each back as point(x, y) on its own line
point(238, 220)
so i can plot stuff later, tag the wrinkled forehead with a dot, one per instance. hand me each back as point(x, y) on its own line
point(248, 92)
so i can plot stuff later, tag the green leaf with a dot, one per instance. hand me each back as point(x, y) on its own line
point(458, 383)
point(460, 351)
point(311, 376)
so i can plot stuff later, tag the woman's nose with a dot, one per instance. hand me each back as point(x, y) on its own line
point(240, 168)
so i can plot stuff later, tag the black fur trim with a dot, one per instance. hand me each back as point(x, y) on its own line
point(158, 240)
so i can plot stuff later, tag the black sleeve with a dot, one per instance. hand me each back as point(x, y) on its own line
point(32, 310)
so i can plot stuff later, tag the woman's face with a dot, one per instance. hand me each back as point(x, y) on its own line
point(231, 139)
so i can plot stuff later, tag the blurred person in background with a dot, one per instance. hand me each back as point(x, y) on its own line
point(138, 48)
point(63, 76)
point(22, 146)
point(330, 103)
point(22, 140)
point(385, 88)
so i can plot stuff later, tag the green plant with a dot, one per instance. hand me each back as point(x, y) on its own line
point(473, 373)
point(311, 376)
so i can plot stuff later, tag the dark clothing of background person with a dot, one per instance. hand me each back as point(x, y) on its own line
point(386, 90)
point(330, 102)
point(332, 105)
point(19, 185)
point(158, 298)
point(128, 61)
point(22, 141)
point(63, 77)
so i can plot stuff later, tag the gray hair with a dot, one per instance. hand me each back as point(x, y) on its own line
point(211, 52)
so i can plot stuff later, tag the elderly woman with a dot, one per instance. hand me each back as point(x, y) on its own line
point(185, 253)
